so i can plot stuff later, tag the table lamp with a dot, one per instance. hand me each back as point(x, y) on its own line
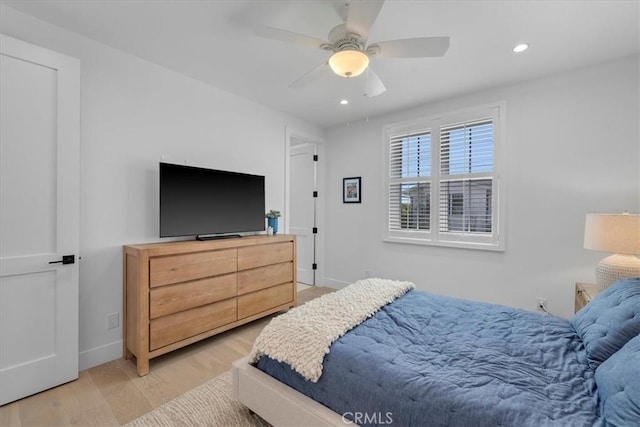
point(620, 235)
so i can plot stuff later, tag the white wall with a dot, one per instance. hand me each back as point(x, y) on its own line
point(573, 147)
point(133, 113)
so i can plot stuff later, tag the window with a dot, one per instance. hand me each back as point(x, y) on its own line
point(451, 163)
point(409, 182)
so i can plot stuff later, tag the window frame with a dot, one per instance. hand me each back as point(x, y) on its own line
point(493, 241)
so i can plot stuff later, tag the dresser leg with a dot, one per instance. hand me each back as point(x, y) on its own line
point(143, 366)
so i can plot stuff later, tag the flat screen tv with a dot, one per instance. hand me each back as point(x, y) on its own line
point(209, 203)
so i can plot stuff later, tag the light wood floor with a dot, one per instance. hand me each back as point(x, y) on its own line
point(113, 394)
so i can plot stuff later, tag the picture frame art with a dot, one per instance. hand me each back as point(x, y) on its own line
point(352, 190)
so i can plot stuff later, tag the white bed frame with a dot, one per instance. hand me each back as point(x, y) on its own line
point(276, 402)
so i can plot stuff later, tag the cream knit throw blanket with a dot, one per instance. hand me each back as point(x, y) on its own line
point(302, 336)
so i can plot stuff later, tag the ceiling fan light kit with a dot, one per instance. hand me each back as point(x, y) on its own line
point(349, 63)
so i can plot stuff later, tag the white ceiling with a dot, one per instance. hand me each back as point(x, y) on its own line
point(213, 41)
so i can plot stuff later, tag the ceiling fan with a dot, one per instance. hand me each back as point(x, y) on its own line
point(348, 43)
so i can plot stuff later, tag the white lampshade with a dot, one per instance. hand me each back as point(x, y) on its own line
point(349, 63)
point(620, 235)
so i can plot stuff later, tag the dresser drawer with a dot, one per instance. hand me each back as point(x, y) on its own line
point(257, 302)
point(260, 255)
point(182, 268)
point(174, 298)
point(175, 327)
point(264, 277)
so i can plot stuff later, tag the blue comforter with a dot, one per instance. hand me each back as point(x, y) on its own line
point(429, 360)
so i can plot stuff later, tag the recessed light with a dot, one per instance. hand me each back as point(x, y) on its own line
point(344, 102)
point(521, 47)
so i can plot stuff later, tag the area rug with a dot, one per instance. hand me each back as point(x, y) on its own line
point(210, 404)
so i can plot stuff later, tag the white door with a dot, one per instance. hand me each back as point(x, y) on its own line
point(302, 217)
point(39, 218)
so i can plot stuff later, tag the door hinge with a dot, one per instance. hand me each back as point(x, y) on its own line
point(315, 230)
point(315, 194)
point(315, 157)
point(314, 266)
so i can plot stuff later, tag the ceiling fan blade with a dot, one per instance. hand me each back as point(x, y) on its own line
point(359, 15)
point(374, 85)
point(288, 36)
point(410, 48)
point(309, 76)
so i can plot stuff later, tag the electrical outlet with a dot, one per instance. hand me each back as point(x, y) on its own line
point(542, 304)
point(113, 320)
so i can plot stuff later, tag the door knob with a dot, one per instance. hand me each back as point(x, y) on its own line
point(66, 259)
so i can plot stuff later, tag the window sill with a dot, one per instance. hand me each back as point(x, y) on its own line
point(495, 247)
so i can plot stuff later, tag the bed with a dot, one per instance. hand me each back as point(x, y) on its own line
point(424, 359)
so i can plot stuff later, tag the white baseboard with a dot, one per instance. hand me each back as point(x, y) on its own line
point(99, 355)
point(334, 283)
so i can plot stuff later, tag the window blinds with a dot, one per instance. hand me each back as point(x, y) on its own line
point(466, 178)
point(410, 181)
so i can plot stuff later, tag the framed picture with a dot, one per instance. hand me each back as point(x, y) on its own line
point(351, 190)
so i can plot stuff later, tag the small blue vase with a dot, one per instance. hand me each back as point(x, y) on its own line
point(273, 223)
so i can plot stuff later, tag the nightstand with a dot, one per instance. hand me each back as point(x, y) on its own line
point(585, 292)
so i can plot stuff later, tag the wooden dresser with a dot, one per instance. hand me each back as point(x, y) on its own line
point(178, 293)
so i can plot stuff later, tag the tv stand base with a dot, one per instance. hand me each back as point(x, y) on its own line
point(218, 237)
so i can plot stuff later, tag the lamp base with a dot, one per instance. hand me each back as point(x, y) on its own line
point(617, 267)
